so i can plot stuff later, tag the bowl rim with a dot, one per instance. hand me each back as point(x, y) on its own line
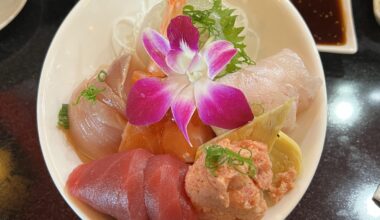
point(324, 118)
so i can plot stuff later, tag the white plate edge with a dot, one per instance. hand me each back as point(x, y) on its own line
point(14, 15)
point(40, 101)
point(322, 92)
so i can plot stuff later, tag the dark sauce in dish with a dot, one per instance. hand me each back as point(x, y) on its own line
point(325, 20)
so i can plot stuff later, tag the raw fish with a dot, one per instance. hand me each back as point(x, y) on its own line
point(134, 185)
point(96, 126)
point(275, 80)
point(165, 137)
point(95, 129)
point(164, 185)
point(113, 185)
point(117, 75)
point(228, 194)
point(286, 68)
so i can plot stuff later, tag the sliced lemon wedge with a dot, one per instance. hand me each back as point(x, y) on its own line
point(285, 154)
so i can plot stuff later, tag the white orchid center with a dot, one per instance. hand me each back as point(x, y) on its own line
point(194, 76)
point(197, 69)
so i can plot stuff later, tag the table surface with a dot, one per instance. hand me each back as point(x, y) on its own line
point(342, 188)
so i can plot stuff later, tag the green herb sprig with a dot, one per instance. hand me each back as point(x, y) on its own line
point(90, 93)
point(216, 156)
point(63, 117)
point(219, 23)
point(203, 21)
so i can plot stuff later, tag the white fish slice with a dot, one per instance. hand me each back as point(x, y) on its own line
point(275, 80)
point(96, 127)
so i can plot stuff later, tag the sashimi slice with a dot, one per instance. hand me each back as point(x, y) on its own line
point(113, 185)
point(96, 126)
point(164, 187)
point(275, 80)
point(114, 94)
point(165, 137)
point(117, 75)
point(107, 96)
point(287, 68)
point(264, 92)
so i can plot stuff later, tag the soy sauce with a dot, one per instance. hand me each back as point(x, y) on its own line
point(325, 20)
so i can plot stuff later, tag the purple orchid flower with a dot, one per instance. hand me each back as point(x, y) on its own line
point(189, 83)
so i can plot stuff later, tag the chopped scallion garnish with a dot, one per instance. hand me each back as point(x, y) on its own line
point(102, 75)
point(63, 117)
point(90, 93)
point(217, 155)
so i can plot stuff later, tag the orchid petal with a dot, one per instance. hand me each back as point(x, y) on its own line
point(157, 47)
point(182, 34)
point(218, 54)
point(183, 109)
point(179, 60)
point(221, 106)
point(149, 100)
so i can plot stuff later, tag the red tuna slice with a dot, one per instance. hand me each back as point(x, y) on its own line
point(164, 187)
point(113, 185)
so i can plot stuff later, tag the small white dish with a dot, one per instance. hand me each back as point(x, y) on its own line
point(351, 45)
point(83, 42)
point(376, 10)
point(9, 9)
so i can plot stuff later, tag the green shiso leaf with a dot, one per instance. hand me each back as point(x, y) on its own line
point(219, 23)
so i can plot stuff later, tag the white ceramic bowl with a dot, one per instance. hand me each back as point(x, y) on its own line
point(83, 42)
point(351, 45)
point(9, 9)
